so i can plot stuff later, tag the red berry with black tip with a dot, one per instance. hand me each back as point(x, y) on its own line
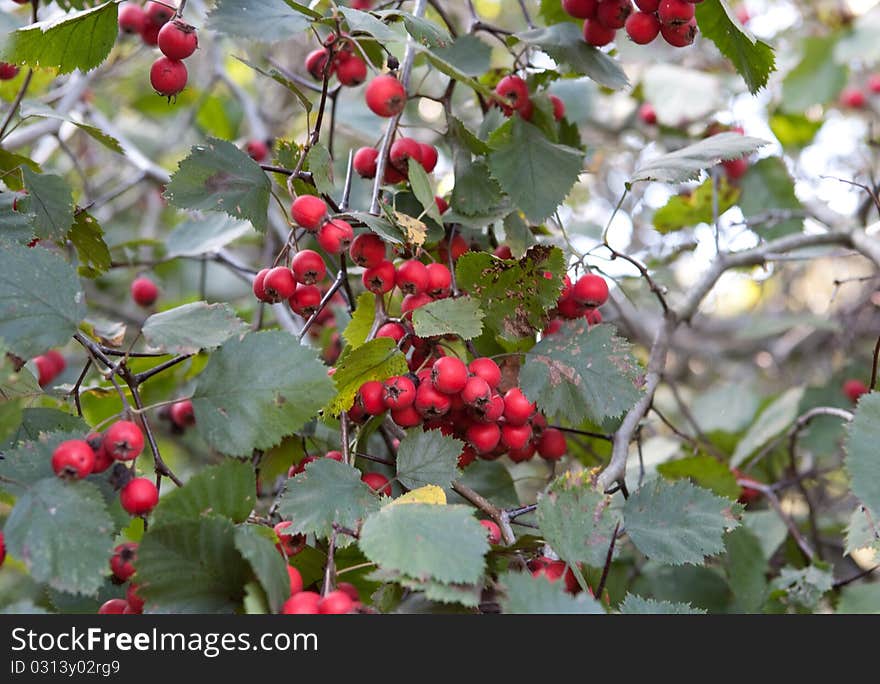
point(144, 291)
point(309, 212)
point(590, 290)
point(552, 445)
point(178, 40)
point(158, 14)
point(377, 482)
point(431, 403)
point(260, 286)
point(124, 440)
point(335, 236)
point(168, 76)
point(131, 18)
point(279, 283)
point(679, 35)
point(367, 250)
point(411, 277)
point(612, 14)
point(402, 150)
point(73, 459)
point(308, 267)
point(492, 531)
point(449, 375)
point(371, 397)
point(139, 497)
point(476, 392)
point(182, 414)
point(122, 561)
point(399, 392)
point(439, 280)
point(305, 300)
point(675, 11)
point(514, 91)
point(483, 437)
point(352, 71)
point(380, 278)
point(386, 96)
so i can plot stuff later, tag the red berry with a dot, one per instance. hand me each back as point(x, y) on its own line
point(590, 290)
point(483, 437)
point(139, 496)
point(115, 606)
point(279, 283)
point(612, 14)
point(492, 411)
point(8, 72)
point(49, 366)
point(521, 455)
point(288, 543)
point(131, 18)
point(182, 414)
point(73, 459)
point(517, 409)
point(442, 204)
point(854, 389)
point(257, 150)
point(492, 531)
point(514, 91)
point(386, 96)
point(335, 603)
point(429, 156)
point(476, 392)
point(406, 417)
point(516, 436)
point(675, 11)
point(158, 14)
point(449, 375)
point(367, 250)
point(260, 286)
point(124, 440)
point(642, 27)
point(596, 34)
point(178, 40)
point(380, 278)
point(679, 35)
point(349, 590)
point(580, 9)
point(459, 247)
point(150, 33)
point(122, 561)
point(305, 300)
point(296, 580)
point(103, 460)
point(302, 603)
point(735, 169)
point(316, 63)
point(377, 482)
point(352, 71)
point(593, 316)
point(853, 98)
point(393, 330)
point(309, 212)
point(412, 302)
point(431, 403)
point(402, 150)
point(399, 392)
point(874, 83)
point(439, 280)
point(558, 113)
point(308, 267)
point(168, 76)
point(467, 456)
point(412, 277)
point(335, 236)
point(552, 445)
point(648, 5)
point(365, 161)
point(371, 397)
point(144, 291)
point(647, 114)
point(487, 369)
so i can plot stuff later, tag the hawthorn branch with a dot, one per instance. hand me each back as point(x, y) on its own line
point(500, 516)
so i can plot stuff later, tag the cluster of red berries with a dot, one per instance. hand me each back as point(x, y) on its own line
point(514, 93)
point(337, 56)
point(366, 159)
point(579, 300)
point(672, 19)
point(156, 24)
point(49, 366)
point(854, 97)
point(144, 291)
point(552, 570)
point(122, 565)
point(122, 442)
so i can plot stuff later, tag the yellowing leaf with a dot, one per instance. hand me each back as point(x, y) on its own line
point(429, 494)
point(415, 230)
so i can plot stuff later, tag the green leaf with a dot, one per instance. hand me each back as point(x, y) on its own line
point(695, 208)
point(421, 187)
point(513, 294)
point(191, 566)
point(364, 22)
point(204, 236)
point(51, 202)
point(87, 237)
point(37, 109)
point(258, 389)
point(636, 605)
point(63, 534)
point(475, 191)
point(768, 187)
point(188, 328)
point(767, 528)
point(468, 54)
point(537, 173)
point(491, 479)
point(817, 79)
point(565, 43)
point(425, 32)
point(255, 544)
point(380, 226)
point(753, 59)
point(465, 594)
point(358, 328)
point(217, 176)
point(794, 129)
point(517, 234)
point(705, 471)
point(677, 523)
point(863, 532)
point(327, 492)
point(527, 595)
point(687, 163)
point(729, 407)
point(17, 224)
point(227, 490)
point(582, 372)
point(746, 568)
point(282, 80)
point(802, 587)
point(41, 301)
point(770, 423)
point(862, 463)
point(30, 461)
point(321, 166)
point(859, 599)
point(266, 21)
point(378, 359)
point(444, 543)
point(427, 457)
point(461, 316)
point(81, 40)
point(575, 520)
point(37, 420)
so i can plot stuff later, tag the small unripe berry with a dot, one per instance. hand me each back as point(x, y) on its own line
point(386, 96)
point(144, 291)
point(377, 482)
point(309, 212)
point(168, 76)
point(124, 440)
point(178, 40)
point(139, 497)
point(73, 459)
